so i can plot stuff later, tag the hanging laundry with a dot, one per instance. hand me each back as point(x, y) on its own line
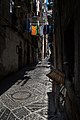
point(35, 30)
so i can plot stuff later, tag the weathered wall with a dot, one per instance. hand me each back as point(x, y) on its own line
point(16, 47)
point(9, 55)
point(71, 26)
point(71, 11)
point(58, 37)
point(68, 36)
point(77, 51)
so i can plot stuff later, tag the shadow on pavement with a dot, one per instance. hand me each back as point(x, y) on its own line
point(11, 79)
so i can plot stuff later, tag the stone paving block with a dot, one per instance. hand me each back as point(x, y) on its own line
point(37, 105)
point(2, 109)
point(21, 112)
point(5, 114)
point(12, 117)
point(38, 86)
point(43, 112)
point(42, 81)
point(8, 102)
point(33, 117)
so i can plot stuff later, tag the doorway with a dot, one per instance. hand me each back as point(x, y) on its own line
point(69, 49)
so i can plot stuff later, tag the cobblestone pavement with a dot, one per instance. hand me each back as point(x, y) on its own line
point(29, 97)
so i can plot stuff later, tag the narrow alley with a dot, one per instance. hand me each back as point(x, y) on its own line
point(39, 60)
point(30, 97)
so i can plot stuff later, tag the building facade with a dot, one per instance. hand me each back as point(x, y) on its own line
point(66, 37)
point(17, 45)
